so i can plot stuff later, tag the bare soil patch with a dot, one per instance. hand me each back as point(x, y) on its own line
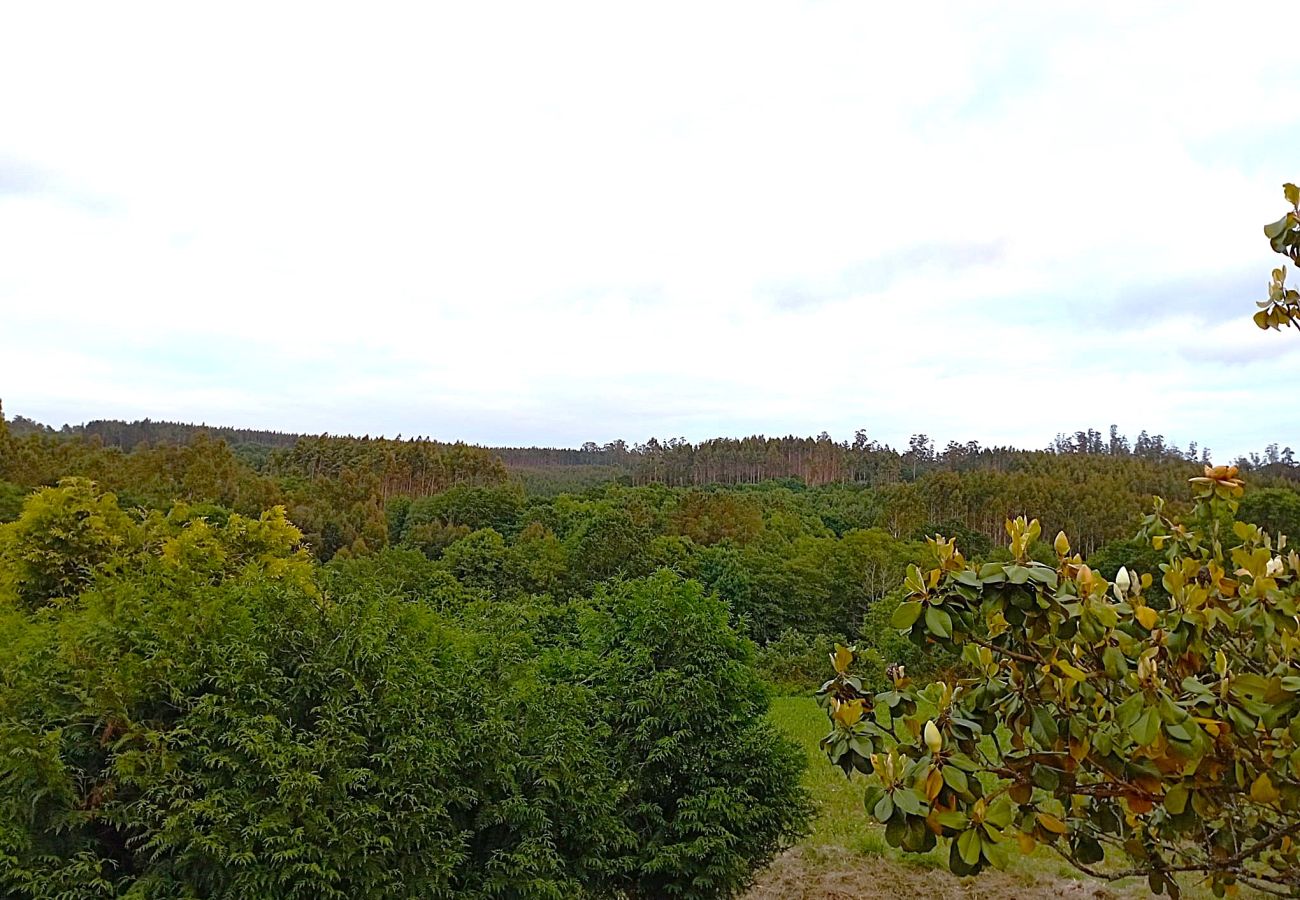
point(799, 875)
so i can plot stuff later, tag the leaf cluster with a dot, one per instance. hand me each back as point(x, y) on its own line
point(1282, 307)
point(1160, 740)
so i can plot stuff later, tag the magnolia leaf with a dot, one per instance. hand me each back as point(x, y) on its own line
point(938, 622)
point(1176, 799)
point(842, 658)
point(1088, 850)
point(848, 714)
point(1274, 229)
point(1146, 729)
point(884, 808)
point(1051, 823)
point(956, 779)
point(1262, 790)
point(906, 614)
point(906, 800)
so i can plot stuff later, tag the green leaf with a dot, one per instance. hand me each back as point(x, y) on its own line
point(955, 820)
point(1292, 194)
point(1176, 799)
point(1146, 728)
point(884, 808)
point(1115, 663)
point(956, 779)
point(1043, 727)
point(1088, 850)
point(938, 622)
point(872, 797)
point(906, 800)
point(896, 831)
point(968, 845)
point(1127, 712)
point(906, 614)
point(1000, 813)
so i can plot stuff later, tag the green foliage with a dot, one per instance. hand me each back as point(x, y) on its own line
point(482, 560)
point(399, 573)
point(794, 661)
point(1282, 308)
point(474, 507)
point(207, 713)
point(609, 544)
point(246, 740)
point(714, 790)
point(11, 501)
point(1276, 510)
point(62, 539)
point(1090, 720)
point(710, 517)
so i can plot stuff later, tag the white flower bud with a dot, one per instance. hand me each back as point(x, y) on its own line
point(933, 739)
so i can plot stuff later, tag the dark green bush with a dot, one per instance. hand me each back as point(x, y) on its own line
point(714, 790)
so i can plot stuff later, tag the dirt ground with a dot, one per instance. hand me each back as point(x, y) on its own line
point(793, 877)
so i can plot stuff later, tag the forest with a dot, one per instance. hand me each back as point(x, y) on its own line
point(211, 635)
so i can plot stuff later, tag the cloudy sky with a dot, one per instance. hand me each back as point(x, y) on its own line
point(545, 223)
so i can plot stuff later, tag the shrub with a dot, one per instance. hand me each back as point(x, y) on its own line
point(1167, 740)
point(714, 790)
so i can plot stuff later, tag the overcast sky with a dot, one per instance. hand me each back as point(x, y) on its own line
point(545, 223)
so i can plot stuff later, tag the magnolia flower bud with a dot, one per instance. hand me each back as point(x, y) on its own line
point(1122, 580)
point(933, 739)
point(1274, 567)
point(1061, 544)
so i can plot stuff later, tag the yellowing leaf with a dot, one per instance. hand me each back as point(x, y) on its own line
point(1262, 791)
point(848, 714)
point(1145, 615)
point(1051, 823)
point(1026, 842)
point(841, 658)
point(933, 784)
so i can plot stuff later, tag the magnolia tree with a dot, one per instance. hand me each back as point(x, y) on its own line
point(1283, 304)
point(1134, 738)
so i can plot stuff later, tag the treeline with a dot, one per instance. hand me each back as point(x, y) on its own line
point(335, 489)
point(129, 435)
point(678, 462)
point(343, 492)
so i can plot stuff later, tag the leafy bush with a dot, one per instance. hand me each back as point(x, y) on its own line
point(212, 715)
point(1167, 738)
point(714, 789)
point(794, 662)
point(62, 539)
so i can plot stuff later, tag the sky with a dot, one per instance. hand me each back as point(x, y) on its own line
point(547, 223)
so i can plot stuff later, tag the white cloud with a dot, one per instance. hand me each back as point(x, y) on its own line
point(549, 222)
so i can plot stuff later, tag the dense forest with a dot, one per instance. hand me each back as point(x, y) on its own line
point(206, 634)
